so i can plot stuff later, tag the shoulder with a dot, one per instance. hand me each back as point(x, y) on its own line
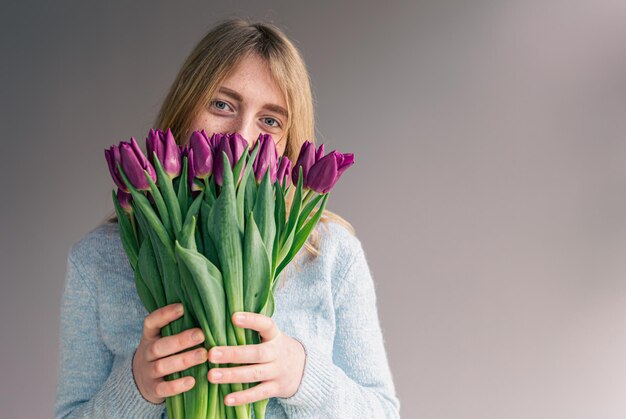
point(339, 250)
point(337, 241)
point(98, 248)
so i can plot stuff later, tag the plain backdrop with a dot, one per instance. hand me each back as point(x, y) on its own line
point(489, 189)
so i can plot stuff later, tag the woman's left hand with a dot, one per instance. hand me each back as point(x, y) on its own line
point(277, 363)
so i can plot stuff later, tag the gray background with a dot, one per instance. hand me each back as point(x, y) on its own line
point(489, 189)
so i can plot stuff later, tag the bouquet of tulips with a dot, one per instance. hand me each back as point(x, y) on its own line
point(208, 225)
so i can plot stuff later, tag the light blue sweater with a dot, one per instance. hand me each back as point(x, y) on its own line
point(328, 303)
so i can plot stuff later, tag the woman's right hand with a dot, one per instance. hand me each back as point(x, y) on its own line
point(154, 357)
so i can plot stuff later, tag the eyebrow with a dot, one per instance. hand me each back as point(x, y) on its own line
point(269, 106)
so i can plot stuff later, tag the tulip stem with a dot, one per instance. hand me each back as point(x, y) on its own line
point(308, 197)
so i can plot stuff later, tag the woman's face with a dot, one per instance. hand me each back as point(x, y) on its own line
point(248, 102)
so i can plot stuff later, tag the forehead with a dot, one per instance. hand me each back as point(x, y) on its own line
point(252, 79)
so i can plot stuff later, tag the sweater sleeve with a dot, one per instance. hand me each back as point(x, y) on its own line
point(355, 381)
point(92, 381)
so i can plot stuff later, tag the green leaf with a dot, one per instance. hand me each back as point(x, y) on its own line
point(210, 289)
point(294, 212)
point(244, 185)
point(160, 204)
point(301, 236)
point(127, 235)
point(264, 211)
point(187, 238)
point(209, 191)
point(208, 246)
point(144, 293)
point(224, 231)
point(257, 276)
point(152, 220)
point(149, 270)
point(279, 219)
point(279, 211)
point(171, 201)
point(183, 188)
point(239, 165)
point(268, 310)
point(250, 195)
point(190, 290)
point(307, 210)
point(194, 208)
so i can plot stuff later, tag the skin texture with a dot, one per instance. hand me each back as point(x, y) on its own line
point(277, 363)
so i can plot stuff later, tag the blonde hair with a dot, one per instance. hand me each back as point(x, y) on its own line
point(208, 65)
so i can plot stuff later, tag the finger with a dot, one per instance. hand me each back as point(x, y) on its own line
point(259, 322)
point(173, 344)
point(244, 354)
point(164, 366)
point(171, 388)
point(245, 374)
point(156, 320)
point(261, 391)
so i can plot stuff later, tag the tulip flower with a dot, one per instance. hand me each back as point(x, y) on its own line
point(124, 200)
point(133, 162)
point(233, 145)
point(326, 171)
point(284, 171)
point(184, 150)
point(266, 158)
point(191, 173)
point(113, 157)
point(319, 153)
point(202, 161)
point(167, 151)
point(306, 159)
point(214, 139)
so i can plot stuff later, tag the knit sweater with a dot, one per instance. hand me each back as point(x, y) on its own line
point(328, 303)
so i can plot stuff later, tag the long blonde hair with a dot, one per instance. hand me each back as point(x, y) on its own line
point(208, 65)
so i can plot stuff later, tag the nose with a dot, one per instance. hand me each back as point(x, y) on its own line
point(247, 129)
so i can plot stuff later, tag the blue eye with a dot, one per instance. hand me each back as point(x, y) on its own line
point(221, 105)
point(271, 121)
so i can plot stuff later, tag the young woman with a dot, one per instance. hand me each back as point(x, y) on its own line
point(322, 353)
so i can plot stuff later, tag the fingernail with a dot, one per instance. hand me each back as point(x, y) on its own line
point(200, 354)
point(217, 375)
point(240, 317)
point(179, 309)
point(217, 353)
point(197, 336)
point(188, 382)
point(230, 400)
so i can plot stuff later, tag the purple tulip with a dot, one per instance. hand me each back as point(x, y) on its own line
point(326, 171)
point(113, 158)
point(284, 171)
point(184, 151)
point(134, 162)
point(124, 199)
point(167, 151)
point(267, 157)
point(320, 153)
point(191, 171)
point(202, 161)
point(231, 144)
point(306, 159)
point(214, 139)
